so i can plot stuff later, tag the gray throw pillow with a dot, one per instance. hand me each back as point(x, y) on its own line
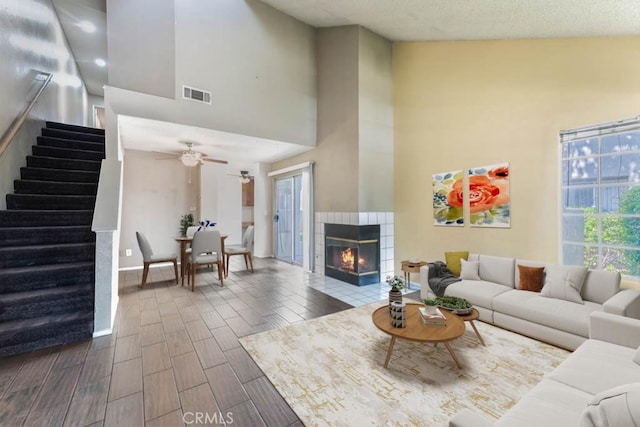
point(564, 282)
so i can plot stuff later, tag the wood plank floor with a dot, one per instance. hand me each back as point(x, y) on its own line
point(173, 359)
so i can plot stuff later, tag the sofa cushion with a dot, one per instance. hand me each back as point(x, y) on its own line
point(564, 282)
point(452, 260)
point(497, 269)
point(469, 270)
point(636, 356)
point(547, 401)
point(530, 278)
point(600, 285)
point(554, 313)
point(477, 292)
point(527, 263)
point(616, 407)
point(597, 366)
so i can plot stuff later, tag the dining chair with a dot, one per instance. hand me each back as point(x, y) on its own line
point(246, 249)
point(206, 249)
point(191, 231)
point(148, 257)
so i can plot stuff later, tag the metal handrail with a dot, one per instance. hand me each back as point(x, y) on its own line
point(15, 126)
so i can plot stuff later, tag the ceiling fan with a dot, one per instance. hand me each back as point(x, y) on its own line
point(191, 158)
point(244, 177)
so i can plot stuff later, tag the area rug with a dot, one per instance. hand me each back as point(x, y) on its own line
point(330, 371)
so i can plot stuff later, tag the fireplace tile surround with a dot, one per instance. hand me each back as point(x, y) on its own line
point(385, 219)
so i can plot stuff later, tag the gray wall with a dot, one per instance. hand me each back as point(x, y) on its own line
point(375, 108)
point(336, 154)
point(258, 63)
point(354, 155)
point(141, 46)
point(31, 39)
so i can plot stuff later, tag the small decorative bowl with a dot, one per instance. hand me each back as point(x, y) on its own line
point(463, 311)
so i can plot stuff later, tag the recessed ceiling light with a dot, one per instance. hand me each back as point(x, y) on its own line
point(100, 62)
point(87, 26)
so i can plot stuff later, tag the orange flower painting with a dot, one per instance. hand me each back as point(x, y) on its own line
point(489, 202)
point(448, 198)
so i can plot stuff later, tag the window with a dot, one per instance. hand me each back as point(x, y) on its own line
point(601, 197)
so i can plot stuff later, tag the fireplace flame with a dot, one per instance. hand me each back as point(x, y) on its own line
point(348, 258)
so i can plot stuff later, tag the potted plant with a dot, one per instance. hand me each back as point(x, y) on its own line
point(397, 285)
point(185, 222)
point(430, 305)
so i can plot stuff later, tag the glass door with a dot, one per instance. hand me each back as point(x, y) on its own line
point(288, 219)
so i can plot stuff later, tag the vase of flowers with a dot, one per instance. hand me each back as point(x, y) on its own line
point(397, 285)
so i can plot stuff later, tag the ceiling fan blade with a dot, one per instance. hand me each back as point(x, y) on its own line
point(207, 159)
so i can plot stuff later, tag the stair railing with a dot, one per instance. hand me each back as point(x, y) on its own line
point(15, 126)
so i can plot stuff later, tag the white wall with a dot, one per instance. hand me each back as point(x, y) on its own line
point(31, 39)
point(156, 194)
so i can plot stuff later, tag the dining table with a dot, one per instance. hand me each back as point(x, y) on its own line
point(185, 241)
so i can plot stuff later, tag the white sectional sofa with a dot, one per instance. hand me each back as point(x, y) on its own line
point(562, 321)
point(597, 385)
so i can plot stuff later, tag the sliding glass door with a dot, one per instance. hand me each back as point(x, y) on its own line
point(288, 236)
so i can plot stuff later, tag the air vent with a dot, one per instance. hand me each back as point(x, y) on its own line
point(196, 94)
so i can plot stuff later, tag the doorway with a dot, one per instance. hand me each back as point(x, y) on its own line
point(288, 219)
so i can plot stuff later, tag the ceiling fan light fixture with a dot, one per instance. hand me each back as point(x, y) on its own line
point(190, 158)
point(244, 177)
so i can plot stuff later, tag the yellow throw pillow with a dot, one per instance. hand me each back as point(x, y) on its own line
point(453, 260)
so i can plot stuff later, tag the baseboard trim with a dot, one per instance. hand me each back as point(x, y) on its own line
point(139, 267)
point(102, 333)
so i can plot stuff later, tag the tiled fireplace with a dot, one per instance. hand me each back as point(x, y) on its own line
point(352, 253)
point(384, 220)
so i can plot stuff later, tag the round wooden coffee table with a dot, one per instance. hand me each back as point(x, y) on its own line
point(416, 330)
point(470, 318)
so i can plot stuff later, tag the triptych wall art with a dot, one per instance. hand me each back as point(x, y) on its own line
point(487, 191)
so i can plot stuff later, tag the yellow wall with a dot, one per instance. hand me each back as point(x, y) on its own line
point(464, 104)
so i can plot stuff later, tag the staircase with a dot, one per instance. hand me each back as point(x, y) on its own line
point(47, 248)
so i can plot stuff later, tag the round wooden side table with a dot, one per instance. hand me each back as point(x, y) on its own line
point(474, 315)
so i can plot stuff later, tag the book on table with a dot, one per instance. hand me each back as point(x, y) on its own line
point(432, 316)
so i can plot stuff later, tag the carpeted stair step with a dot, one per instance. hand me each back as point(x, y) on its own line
point(45, 174)
point(25, 256)
point(76, 136)
point(54, 187)
point(48, 301)
point(20, 336)
point(70, 143)
point(33, 218)
point(46, 276)
point(29, 236)
point(49, 201)
point(74, 128)
point(66, 153)
point(68, 164)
